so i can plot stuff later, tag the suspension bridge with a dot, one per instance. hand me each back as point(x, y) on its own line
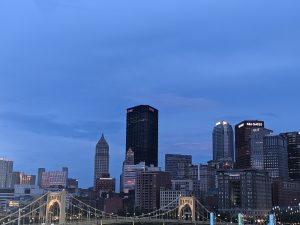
point(56, 208)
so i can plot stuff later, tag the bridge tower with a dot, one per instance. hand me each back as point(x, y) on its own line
point(191, 203)
point(60, 199)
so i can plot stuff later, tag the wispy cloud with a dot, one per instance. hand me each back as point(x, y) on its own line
point(51, 126)
point(171, 101)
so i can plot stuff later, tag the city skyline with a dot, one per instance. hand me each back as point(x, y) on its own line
point(85, 71)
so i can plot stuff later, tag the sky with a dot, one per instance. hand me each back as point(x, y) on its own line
point(69, 69)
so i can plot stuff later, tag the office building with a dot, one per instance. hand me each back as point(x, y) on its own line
point(243, 132)
point(293, 147)
point(148, 185)
point(6, 171)
point(285, 193)
point(21, 178)
point(101, 168)
point(244, 190)
point(142, 134)
point(276, 156)
point(178, 165)
point(54, 179)
point(40, 172)
point(257, 147)
point(193, 172)
point(129, 173)
point(105, 185)
point(223, 147)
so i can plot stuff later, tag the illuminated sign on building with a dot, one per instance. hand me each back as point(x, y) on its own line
point(241, 125)
point(13, 204)
point(251, 124)
point(256, 124)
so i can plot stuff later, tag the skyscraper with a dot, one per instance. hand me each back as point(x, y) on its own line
point(293, 146)
point(223, 149)
point(243, 132)
point(6, 172)
point(40, 172)
point(257, 147)
point(178, 165)
point(276, 156)
point(142, 134)
point(101, 168)
point(148, 186)
point(54, 179)
point(129, 172)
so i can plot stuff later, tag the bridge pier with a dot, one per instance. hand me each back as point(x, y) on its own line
point(211, 218)
point(271, 219)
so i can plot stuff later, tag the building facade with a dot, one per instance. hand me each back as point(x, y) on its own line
point(142, 134)
point(178, 165)
point(243, 132)
point(276, 156)
point(105, 185)
point(149, 183)
point(285, 193)
point(223, 147)
point(257, 147)
point(39, 179)
point(129, 175)
point(6, 173)
point(293, 146)
point(54, 179)
point(21, 178)
point(101, 165)
point(244, 190)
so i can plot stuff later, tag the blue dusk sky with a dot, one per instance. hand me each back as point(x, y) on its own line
point(70, 68)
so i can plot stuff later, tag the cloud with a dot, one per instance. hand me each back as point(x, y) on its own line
point(51, 126)
point(172, 101)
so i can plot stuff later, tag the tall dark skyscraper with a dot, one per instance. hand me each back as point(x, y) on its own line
point(243, 132)
point(142, 134)
point(101, 160)
point(293, 146)
point(223, 149)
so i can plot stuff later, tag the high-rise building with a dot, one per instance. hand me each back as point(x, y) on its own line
point(243, 133)
point(22, 179)
point(142, 134)
point(223, 149)
point(257, 147)
point(129, 172)
point(6, 171)
point(244, 190)
point(178, 165)
point(105, 185)
point(101, 168)
point(56, 179)
point(193, 172)
point(40, 172)
point(149, 183)
point(276, 156)
point(293, 147)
